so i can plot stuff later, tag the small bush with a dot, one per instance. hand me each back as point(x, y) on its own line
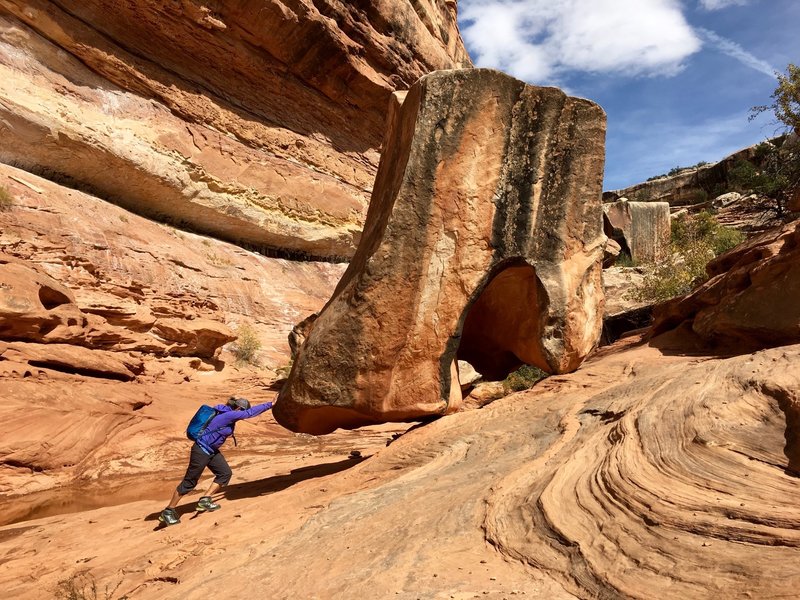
point(695, 240)
point(523, 378)
point(725, 239)
point(6, 200)
point(625, 260)
point(246, 345)
point(219, 261)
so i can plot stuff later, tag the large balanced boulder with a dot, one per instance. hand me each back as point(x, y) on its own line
point(641, 228)
point(483, 243)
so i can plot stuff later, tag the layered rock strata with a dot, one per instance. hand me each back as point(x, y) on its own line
point(483, 242)
point(82, 282)
point(641, 228)
point(648, 474)
point(686, 187)
point(253, 122)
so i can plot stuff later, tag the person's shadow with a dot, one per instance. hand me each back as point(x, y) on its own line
point(268, 485)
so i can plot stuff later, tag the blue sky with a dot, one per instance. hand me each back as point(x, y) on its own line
point(676, 77)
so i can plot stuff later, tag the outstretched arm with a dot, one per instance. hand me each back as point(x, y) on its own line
point(237, 415)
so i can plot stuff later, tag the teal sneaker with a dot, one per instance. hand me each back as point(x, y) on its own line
point(169, 516)
point(207, 504)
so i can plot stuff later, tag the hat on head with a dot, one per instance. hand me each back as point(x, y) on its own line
point(238, 403)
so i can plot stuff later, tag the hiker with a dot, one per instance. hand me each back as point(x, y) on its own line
point(205, 453)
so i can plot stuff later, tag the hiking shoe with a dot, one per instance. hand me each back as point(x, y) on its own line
point(206, 503)
point(169, 516)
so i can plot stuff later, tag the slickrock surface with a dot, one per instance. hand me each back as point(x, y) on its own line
point(483, 242)
point(257, 122)
point(751, 300)
point(648, 473)
point(644, 228)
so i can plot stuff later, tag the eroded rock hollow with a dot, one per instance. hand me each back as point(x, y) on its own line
point(483, 241)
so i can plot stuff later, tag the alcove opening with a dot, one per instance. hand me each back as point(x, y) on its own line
point(502, 329)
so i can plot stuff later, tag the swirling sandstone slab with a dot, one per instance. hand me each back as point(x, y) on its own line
point(483, 242)
point(256, 122)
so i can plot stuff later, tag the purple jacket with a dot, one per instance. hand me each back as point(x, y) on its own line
point(221, 426)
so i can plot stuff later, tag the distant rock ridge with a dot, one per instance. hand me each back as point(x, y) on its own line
point(257, 123)
point(687, 187)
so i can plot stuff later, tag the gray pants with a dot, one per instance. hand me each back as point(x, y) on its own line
point(198, 461)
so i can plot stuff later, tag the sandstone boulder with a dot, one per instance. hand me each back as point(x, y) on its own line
point(196, 337)
point(483, 242)
point(751, 298)
point(726, 199)
point(644, 228)
point(68, 358)
point(467, 375)
point(484, 393)
point(611, 251)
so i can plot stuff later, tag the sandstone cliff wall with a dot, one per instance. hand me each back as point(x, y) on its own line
point(254, 122)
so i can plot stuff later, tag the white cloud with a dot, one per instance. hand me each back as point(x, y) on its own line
point(736, 51)
point(538, 40)
point(717, 4)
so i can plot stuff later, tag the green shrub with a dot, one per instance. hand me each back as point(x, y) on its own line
point(777, 173)
point(625, 260)
point(695, 240)
point(6, 200)
point(247, 345)
point(776, 177)
point(786, 99)
point(523, 378)
point(726, 238)
point(675, 275)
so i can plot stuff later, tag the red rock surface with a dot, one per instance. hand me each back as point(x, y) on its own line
point(750, 301)
point(648, 473)
point(656, 470)
point(133, 285)
point(92, 295)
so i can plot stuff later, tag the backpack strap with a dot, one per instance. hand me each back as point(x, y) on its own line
point(232, 425)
